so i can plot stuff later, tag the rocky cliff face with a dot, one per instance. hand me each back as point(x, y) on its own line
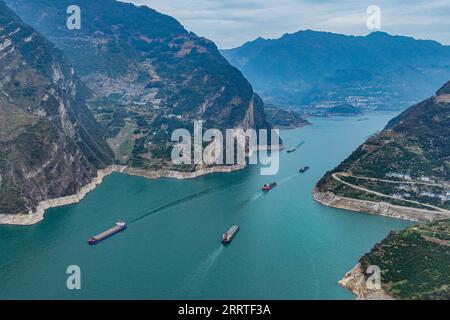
point(356, 281)
point(149, 74)
point(50, 144)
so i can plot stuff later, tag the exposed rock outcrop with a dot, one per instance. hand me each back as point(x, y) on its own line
point(50, 144)
point(356, 282)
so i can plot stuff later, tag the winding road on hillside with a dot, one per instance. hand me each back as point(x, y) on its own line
point(337, 174)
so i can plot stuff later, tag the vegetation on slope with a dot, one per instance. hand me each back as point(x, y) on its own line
point(415, 262)
point(414, 148)
point(145, 68)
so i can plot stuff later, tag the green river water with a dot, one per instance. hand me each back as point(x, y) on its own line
point(289, 246)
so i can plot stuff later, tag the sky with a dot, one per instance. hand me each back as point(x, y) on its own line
point(230, 23)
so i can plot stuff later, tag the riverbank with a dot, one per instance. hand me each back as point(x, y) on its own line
point(38, 215)
point(179, 174)
point(292, 126)
point(355, 281)
point(379, 208)
point(173, 240)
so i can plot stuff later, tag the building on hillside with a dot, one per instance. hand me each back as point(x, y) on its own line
point(429, 194)
point(398, 175)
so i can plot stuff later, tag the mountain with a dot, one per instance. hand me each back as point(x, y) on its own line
point(285, 119)
point(344, 109)
point(149, 75)
point(50, 143)
point(413, 263)
point(407, 164)
point(317, 70)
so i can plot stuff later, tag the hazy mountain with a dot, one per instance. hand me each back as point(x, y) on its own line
point(149, 74)
point(344, 110)
point(413, 149)
point(50, 144)
point(285, 119)
point(320, 70)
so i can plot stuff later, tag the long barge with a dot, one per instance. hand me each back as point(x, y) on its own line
point(120, 226)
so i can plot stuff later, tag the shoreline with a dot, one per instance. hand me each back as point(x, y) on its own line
point(378, 208)
point(180, 175)
point(293, 126)
point(355, 281)
point(28, 219)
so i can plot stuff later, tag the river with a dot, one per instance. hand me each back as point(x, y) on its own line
point(289, 246)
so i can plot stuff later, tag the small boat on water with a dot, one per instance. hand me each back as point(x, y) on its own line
point(296, 147)
point(268, 187)
point(304, 169)
point(120, 226)
point(230, 234)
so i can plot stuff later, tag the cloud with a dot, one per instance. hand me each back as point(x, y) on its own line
point(230, 23)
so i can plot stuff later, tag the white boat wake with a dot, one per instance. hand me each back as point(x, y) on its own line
point(287, 178)
point(201, 272)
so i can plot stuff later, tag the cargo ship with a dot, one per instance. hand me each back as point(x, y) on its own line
point(230, 234)
point(120, 226)
point(303, 170)
point(268, 187)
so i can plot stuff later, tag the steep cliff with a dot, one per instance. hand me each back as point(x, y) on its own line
point(50, 143)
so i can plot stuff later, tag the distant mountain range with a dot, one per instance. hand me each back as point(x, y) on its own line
point(50, 143)
point(149, 75)
point(320, 70)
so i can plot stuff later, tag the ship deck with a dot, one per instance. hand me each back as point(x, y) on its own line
point(108, 232)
